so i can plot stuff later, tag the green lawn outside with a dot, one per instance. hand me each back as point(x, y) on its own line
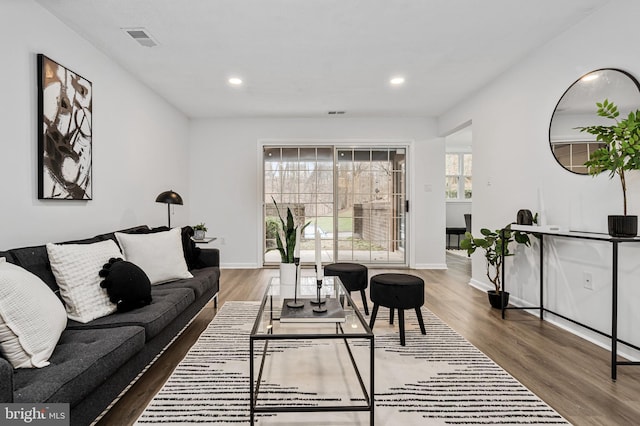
point(345, 222)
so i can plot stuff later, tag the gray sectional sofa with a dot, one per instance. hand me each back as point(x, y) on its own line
point(94, 362)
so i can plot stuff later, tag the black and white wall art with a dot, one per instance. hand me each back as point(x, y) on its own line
point(64, 133)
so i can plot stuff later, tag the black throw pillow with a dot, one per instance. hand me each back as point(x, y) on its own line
point(191, 251)
point(127, 285)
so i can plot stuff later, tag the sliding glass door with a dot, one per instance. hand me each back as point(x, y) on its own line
point(353, 197)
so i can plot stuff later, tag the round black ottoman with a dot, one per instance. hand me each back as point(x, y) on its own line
point(397, 291)
point(354, 277)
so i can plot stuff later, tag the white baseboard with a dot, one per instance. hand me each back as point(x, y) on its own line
point(430, 266)
point(480, 285)
point(240, 266)
point(604, 342)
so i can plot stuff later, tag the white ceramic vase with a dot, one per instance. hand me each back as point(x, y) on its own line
point(287, 273)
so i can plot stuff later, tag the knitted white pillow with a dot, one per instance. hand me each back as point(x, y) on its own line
point(76, 268)
point(160, 255)
point(32, 317)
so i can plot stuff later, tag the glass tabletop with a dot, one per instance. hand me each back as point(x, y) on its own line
point(275, 318)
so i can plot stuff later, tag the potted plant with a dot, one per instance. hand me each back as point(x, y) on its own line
point(620, 153)
point(286, 239)
point(496, 246)
point(199, 231)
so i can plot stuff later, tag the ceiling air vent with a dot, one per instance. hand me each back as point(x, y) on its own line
point(336, 112)
point(142, 36)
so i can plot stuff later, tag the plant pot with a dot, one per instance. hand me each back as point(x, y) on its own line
point(287, 273)
point(623, 226)
point(495, 298)
point(199, 234)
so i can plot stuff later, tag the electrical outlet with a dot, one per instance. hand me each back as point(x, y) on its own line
point(587, 280)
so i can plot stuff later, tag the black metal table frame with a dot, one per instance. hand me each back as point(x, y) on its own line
point(615, 241)
point(254, 390)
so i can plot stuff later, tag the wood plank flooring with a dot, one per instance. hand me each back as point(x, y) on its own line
point(567, 372)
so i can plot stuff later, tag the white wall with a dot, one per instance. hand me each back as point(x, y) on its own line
point(226, 165)
point(514, 168)
point(139, 141)
point(455, 213)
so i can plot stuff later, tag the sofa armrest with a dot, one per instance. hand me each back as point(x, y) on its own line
point(6, 381)
point(208, 257)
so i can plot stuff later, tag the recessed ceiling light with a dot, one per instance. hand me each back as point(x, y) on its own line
point(397, 81)
point(235, 81)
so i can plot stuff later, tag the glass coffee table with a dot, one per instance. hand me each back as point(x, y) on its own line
point(302, 361)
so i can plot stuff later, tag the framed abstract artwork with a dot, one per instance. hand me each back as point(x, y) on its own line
point(64, 133)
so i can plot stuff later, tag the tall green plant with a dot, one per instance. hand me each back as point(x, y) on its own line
point(621, 150)
point(492, 244)
point(286, 237)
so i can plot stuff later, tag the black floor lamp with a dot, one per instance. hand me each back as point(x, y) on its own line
point(169, 197)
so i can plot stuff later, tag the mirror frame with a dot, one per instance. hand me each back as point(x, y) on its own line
point(625, 73)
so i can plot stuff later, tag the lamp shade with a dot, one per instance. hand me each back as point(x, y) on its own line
point(169, 197)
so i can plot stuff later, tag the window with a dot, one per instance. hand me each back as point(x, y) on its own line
point(354, 196)
point(458, 175)
point(573, 155)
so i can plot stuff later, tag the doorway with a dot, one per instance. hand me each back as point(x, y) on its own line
point(459, 187)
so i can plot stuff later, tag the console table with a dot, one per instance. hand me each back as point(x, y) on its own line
point(541, 232)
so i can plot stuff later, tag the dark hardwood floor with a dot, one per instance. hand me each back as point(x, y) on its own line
point(567, 372)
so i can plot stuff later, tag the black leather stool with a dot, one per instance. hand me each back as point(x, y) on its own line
point(397, 291)
point(354, 277)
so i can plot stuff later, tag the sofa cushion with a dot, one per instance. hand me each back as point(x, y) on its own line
point(167, 304)
point(160, 255)
point(82, 361)
point(203, 280)
point(7, 256)
point(191, 251)
point(84, 241)
point(76, 268)
point(36, 260)
point(31, 317)
point(133, 230)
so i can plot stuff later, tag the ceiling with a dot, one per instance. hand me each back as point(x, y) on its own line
point(303, 58)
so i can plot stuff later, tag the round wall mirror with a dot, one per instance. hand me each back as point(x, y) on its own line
point(577, 108)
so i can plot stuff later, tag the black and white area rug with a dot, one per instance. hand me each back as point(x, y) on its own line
point(436, 379)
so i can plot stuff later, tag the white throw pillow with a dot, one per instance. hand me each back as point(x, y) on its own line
point(76, 268)
point(159, 255)
point(32, 317)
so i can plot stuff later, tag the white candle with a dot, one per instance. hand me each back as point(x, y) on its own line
point(296, 250)
point(318, 255)
point(542, 217)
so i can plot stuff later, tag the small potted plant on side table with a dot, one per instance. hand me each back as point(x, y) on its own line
point(620, 153)
point(496, 246)
point(199, 231)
